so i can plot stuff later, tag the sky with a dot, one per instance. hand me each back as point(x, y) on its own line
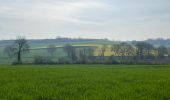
point(112, 19)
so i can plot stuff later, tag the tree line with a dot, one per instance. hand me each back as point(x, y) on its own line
point(121, 53)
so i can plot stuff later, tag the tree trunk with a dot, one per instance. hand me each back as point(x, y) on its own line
point(19, 57)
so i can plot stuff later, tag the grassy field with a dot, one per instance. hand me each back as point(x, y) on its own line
point(85, 82)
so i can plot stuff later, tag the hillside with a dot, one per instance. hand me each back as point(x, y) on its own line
point(58, 41)
point(62, 41)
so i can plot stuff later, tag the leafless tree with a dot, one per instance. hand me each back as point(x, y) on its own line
point(162, 50)
point(71, 52)
point(149, 48)
point(90, 52)
point(82, 55)
point(19, 47)
point(51, 50)
point(103, 51)
point(143, 48)
point(116, 49)
point(9, 51)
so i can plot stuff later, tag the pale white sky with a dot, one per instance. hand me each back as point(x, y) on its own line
point(113, 19)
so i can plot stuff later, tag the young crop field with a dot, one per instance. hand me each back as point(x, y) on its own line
point(85, 82)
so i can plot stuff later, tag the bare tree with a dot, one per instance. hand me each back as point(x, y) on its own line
point(149, 48)
point(68, 48)
point(123, 49)
point(71, 52)
point(82, 55)
point(103, 51)
point(126, 50)
point(116, 49)
point(9, 51)
point(130, 50)
point(162, 50)
point(19, 47)
point(51, 50)
point(141, 47)
point(144, 49)
point(90, 52)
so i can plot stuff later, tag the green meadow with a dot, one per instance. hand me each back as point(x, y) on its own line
point(85, 82)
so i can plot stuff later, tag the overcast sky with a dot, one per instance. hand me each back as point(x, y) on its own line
point(113, 19)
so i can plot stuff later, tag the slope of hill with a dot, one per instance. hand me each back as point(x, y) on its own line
point(165, 42)
point(62, 41)
point(58, 41)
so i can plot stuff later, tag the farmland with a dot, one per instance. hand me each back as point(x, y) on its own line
point(39, 49)
point(88, 82)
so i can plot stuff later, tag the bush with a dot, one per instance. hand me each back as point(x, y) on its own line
point(111, 60)
point(42, 60)
point(63, 61)
point(16, 63)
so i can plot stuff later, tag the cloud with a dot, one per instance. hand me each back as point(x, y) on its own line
point(63, 11)
point(102, 18)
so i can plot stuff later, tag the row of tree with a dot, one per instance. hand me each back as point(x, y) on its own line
point(120, 52)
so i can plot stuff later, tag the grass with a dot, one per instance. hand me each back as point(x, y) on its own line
point(85, 82)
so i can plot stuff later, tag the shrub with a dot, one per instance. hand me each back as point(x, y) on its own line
point(42, 60)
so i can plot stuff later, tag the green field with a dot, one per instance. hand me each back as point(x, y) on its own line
point(85, 82)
